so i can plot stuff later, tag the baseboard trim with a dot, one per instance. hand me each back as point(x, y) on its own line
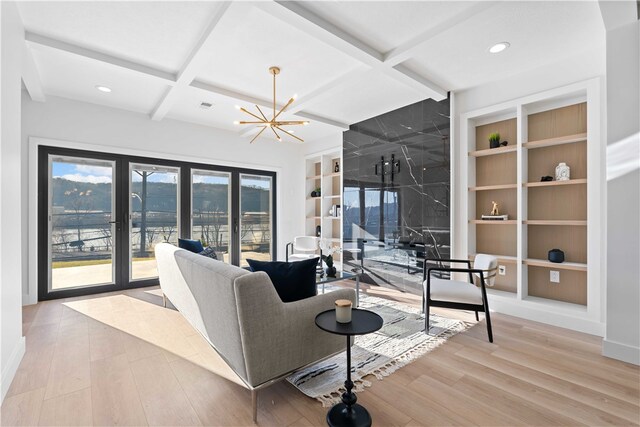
point(619, 351)
point(10, 369)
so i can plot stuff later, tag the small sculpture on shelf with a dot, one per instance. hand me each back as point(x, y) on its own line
point(316, 192)
point(495, 213)
point(336, 168)
point(494, 208)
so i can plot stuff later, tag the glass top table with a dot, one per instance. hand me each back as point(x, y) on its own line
point(341, 275)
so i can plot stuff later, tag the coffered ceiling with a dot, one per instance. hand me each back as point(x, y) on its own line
point(347, 61)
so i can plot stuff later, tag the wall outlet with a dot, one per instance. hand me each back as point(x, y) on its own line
point(554, 276)
point(502, 270)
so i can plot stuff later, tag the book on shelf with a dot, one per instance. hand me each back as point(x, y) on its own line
point(495, 217)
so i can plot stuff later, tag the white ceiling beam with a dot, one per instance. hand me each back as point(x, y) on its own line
point(324, 120)
point(31, 76)
point(408, 49)
point(191, 65)
point(239, 96)
point(294, 13)
point(618, 13)
point(38, 40)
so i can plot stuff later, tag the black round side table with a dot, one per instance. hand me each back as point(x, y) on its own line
point(349, 413)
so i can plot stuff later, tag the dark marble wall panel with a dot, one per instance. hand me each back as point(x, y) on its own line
point(398, 218)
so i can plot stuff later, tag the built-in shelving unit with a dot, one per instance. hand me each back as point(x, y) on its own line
point(320, 171)
point(542, 130)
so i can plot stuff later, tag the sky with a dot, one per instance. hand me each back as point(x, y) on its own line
point(98, 174)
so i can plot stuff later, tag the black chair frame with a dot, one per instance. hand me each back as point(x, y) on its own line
point(427, 302)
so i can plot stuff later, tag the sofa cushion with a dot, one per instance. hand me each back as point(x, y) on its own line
point(293, 280)
point(191, 245)
point(209, 252)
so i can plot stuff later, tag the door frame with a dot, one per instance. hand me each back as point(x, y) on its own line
point(120, 187)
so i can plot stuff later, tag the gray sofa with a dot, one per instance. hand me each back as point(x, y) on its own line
point(240, 314)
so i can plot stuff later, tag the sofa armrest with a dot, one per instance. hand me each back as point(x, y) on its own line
point(280, 337)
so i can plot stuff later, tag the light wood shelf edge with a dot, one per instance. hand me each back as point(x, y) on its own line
point(554, 183)
point(493, 222)
point(494, 187)
point(579, 137)
point(576, 266)
point(314, 177)
point(555, 222)
point(331, 174)
point(501, 258)
point(493, 151)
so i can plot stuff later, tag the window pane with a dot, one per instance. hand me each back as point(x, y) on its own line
point(210, 219)
point(154, 215)
point(255, 218)
point(80, 228)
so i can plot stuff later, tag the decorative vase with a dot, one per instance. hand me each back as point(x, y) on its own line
point(314, 194)
point(331, 271)
point(318, 229)
point(336, 169)
point(563, 172)
point(494, 144)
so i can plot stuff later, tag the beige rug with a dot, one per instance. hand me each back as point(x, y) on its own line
point(400, 341)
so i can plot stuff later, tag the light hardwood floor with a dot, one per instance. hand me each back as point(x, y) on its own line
point(122, 359)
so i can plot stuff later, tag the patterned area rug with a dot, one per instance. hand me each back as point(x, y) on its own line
point(400, 341)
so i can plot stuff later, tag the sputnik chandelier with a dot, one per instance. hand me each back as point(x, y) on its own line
point(274, 123)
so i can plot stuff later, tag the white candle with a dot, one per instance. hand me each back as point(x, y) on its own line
point(343, 311)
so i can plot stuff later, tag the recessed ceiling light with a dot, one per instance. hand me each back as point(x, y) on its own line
point(103, 89)
point(499, 47)
point(206, 105)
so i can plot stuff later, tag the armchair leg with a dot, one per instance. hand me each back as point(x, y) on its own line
point(164, 300)
point(426, 318)
point(254, 405)
point(488, 318)
point(477, 318)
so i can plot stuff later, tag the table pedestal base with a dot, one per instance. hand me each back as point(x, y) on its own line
point(341, 415)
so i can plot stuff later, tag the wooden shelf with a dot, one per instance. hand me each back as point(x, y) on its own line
point(314, 198)
point(493, 151)
point(313, 217)
point(314, 177)
point(494, 187)
point(555, 222)
point(561, 266)
point(332, 217)
point(333, 197)
point(331, 174)
point(579, 137)
point(554, 183)
point(493, 221)
point(501, 258)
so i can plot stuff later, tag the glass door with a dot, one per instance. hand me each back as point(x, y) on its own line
point(154, 215)
point(255, 219)
point(81, 223)
point(210, 214)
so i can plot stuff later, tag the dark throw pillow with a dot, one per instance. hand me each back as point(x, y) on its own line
point(209, 252)
point(293, 280)
point(191, 245)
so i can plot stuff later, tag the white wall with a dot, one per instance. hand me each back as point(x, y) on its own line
point(331, 142)
point(12, 344)
point(114, 130)
point(622, 339)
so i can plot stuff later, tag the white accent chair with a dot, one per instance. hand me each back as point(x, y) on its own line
point(302, 248)
point(471, 295)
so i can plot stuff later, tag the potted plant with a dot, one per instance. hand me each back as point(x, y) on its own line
point(316, 192)
point(327, 256)
point(494, 140)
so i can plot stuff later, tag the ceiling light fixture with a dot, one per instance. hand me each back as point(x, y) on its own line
point(272, 123)
point(103, 89)
point(499, 47)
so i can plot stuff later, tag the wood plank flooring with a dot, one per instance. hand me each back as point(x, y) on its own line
point(123, 359)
